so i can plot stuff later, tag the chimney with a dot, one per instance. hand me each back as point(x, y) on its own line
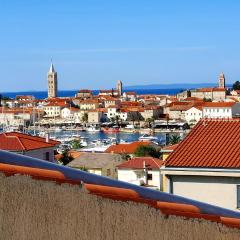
point(146, 172)
point(47, 137)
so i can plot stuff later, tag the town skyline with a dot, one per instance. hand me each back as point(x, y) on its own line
point(94, 44)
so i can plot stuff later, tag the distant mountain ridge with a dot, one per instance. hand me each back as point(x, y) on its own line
point(173, 86)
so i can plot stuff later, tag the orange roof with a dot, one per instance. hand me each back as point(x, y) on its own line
point(138, 163)
point(210, 144)
point(210, 89)
point(15, 141)
point(57, 104)
point(219, 104)
point(73, 153)
point(125, 148)
point(89, 101)
point(169, 148)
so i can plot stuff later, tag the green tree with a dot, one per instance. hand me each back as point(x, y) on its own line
point(66, 157)
point(85, 117)
point(149, 121)
point(145, 151)
point(174, 139)
point(76, 144)
point(236, 85)
point(207, 99)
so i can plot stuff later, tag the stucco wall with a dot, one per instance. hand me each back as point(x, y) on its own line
point(220, 191)
point(32, 209)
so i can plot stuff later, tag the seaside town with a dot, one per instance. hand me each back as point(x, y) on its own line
point(119, 120)
point(129, 137)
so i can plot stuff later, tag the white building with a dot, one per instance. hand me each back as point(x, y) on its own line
point(141, 171)
point(221, 109)
point(194, 114)
point(69, 112)
point(53, 109)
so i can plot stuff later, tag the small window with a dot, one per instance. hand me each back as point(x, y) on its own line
point(47, 156)
point(238, 196)
point(149, 176)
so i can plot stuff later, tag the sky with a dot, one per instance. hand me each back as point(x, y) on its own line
point(93, 43)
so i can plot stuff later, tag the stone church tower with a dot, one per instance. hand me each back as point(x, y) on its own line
point(221, 81)
point(119, 87)
point(52, 82)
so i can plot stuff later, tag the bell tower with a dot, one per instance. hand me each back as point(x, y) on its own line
point(119, 87)
point(52, 82)
point(221, 80)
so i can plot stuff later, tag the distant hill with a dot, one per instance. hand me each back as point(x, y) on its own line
point(173, 86)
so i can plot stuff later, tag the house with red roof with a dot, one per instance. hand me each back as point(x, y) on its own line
point(144, 171)
point(127, 148)
point(215, 94)
point(205, 166)
point(28, 145)
point(194, 113)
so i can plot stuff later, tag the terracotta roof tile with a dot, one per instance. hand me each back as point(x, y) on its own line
point(125, 148)
point(219, 104)
point(210, 144)
point(15, 141)
point(138, 163)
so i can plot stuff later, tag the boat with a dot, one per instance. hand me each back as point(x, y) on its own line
point(111, 129)
point(58, 129)
point(93, 129)
point(130, 126)
point(147, 137)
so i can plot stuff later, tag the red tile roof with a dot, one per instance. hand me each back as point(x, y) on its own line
point(138, 163)
point(169, 148)
point(219, 104)
point(125, 148)
point(15, 141)
point(210, 144)
point(211, 90)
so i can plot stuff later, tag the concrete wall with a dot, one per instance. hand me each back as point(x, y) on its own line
point(220, 191)
point(32, 209)
point(41, 154)
point(138, 177)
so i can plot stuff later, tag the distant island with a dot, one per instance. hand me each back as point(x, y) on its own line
point(173, 86)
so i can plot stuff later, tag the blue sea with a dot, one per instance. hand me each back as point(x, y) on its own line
point(71, 93)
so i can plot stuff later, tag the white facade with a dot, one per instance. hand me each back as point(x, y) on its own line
point(138, 177)
point(217, 112)
point(112, 112)
point(218, 188)
point(53, 110)
point(193, 115)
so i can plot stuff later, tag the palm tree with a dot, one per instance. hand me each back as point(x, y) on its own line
point(174, 139)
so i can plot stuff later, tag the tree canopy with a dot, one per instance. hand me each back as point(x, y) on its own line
point(236, 85)
point(66, 157)
point(146, 151)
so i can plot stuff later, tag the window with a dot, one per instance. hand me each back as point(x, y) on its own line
point(238, 196)
point(149, 176)
point(47, 156)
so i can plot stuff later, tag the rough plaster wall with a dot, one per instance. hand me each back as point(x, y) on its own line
point(31, 209)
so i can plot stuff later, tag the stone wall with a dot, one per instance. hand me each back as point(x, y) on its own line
point(33, 209)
